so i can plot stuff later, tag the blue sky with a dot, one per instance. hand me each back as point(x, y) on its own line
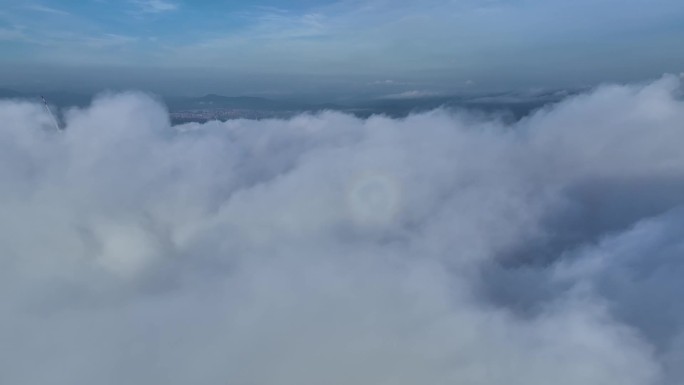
point(386, 46)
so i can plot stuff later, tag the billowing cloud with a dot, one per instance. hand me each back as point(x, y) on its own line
point(441, 248)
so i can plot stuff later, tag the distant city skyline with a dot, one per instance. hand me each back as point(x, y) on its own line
point(374, 47)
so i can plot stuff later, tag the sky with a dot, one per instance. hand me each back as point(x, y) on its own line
point(441, 248)
point(366, 46)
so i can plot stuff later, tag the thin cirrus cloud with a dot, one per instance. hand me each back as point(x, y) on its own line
point(44, 9)
point(12, 34)
point(440, 248)
point(531, 43)
point(155, 6)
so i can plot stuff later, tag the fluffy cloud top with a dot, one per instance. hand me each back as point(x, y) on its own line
point(441, 248)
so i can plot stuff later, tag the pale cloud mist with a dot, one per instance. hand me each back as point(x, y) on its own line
point(441, 248)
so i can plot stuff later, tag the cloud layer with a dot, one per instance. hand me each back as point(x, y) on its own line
point(442, 248)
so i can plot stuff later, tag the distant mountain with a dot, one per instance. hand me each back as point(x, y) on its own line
point(509, 105)
point(213, 101)
point(207, 102)
point(251, 103)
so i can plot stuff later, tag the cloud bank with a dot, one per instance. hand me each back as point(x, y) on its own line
point(441, 248)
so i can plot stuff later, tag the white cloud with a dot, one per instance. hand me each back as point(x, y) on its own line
point(155, 6)
point(106, 40)
point(12, 35)
point(413, 94)
point(329, 249)
point(44, 9)
point(441, 42)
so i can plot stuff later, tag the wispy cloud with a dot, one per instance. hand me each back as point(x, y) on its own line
point(155, 6)
point(435, 43)
point(280, 24)
point(44, 9)
point(12, 35)
point(107, 40)
point(413, 94)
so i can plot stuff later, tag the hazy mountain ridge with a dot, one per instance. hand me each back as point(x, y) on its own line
point(510, 105)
